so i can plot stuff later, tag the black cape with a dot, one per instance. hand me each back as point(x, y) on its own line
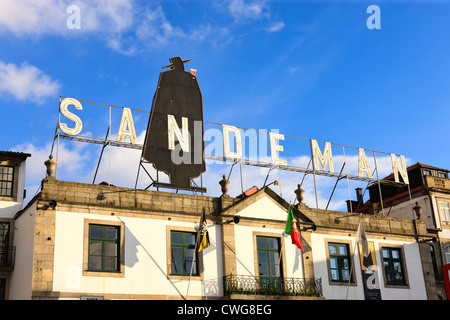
point(177, 94)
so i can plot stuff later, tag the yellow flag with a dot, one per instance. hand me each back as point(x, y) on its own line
point(204, 236)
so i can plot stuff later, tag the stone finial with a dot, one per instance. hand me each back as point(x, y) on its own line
point(224, 183)
point(299, 192)
point(51, 165)
point(418, 210)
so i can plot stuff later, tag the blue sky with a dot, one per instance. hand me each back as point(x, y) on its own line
point(311, 69)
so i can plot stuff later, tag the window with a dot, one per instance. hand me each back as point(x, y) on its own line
point(447, 253)
point(269, 264)
point(434, 262)
point(268, 257)
point(444, 210)
point(393, 266)
point(339, 262)
point(4, 243)
point(442, 175)
point(6, 181)
point(182, 252)
point(104, 243)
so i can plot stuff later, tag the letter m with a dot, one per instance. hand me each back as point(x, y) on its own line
point(324, 158)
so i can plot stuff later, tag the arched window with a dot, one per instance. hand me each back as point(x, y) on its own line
point(433, 260)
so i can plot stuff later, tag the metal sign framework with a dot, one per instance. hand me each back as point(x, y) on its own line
point(108, 142)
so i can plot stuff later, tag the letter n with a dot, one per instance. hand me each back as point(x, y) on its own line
point(399, 168)
point(174, 130)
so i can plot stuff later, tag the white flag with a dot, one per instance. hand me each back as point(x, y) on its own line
point(362, 239)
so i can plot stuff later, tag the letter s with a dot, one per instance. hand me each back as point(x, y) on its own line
point(78, 124)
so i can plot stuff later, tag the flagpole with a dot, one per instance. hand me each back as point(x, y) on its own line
point(199, 232)
point(356, 249)
point(283, 233)
point(351, 269)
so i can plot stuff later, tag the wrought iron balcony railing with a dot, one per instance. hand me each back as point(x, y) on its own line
point(238, 284)
point(7, 257)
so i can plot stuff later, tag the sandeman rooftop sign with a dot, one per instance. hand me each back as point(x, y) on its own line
point(175, 135)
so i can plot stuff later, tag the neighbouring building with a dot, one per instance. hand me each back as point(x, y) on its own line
point(429, 190)
point(95, 241)
point(12, 194)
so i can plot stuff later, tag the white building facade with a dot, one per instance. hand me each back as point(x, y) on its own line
point(72, 243)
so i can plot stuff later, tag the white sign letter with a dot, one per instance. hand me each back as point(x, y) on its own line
point(226, 142)
point(182, 135)
point(275, 148)
point(78, 124)
point(326, 157)
point(363, 164)
point(126, 122)
point(399, 168)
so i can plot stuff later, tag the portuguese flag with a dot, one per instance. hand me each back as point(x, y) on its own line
point(291, 229)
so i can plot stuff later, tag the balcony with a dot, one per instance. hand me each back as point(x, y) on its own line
point(7, 257)
point(437, 182)
point(288, 287)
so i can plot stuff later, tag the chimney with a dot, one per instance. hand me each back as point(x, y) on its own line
point(359, 196)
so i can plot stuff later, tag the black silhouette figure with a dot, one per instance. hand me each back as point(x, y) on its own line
point(177, 94)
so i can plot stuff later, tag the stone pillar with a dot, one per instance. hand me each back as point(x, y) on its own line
point(43, 255)
point(308, 267)
point(229, 249)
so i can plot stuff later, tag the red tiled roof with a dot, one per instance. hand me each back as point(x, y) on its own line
point(414, 166)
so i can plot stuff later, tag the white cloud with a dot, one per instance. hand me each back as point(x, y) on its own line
point(72, 160)
point(125, 26)
point(154, 28)
point(119, 44)
point(244, 11)
point(31, 17)
point(26, 82)
point(241, 10)
point(276, 26)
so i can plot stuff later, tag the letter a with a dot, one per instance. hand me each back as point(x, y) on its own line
point(126, 122)
point(363, 164)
